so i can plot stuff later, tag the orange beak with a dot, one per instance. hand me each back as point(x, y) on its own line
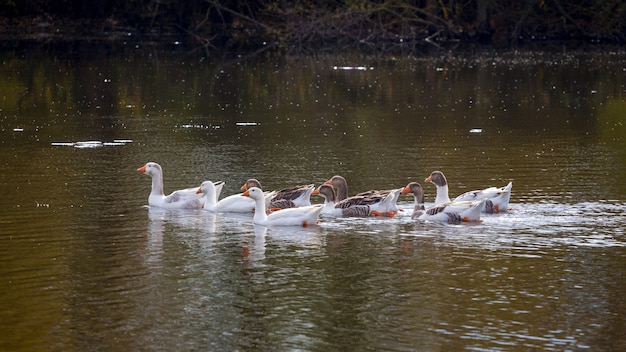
point(406, 190)
point(142, 169)
point(315, 192)
point(199, 191)
point(329, 182)
point(244, 187)
point(427, 179)
point(246, 194)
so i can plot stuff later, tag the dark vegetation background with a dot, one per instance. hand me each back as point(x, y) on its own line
point(314, 25)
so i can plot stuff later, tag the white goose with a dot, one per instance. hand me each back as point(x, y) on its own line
point(371, 197)
point(301, 216)
point(297, 196)
point(499, 197)
point(234, 203)
point(181, 199)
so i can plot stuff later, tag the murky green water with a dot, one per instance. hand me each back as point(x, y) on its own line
point(87, 266)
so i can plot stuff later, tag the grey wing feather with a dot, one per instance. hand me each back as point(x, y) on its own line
point(282, 204)
point(357, 210)
point(292, 192)
point(454, 218)
point(435, 210)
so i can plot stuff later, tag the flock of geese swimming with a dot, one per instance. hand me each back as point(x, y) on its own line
point(292, 206)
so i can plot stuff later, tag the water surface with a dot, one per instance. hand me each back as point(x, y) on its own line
point(87, 265)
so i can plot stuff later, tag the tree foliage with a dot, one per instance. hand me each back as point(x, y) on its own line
point(313, 24)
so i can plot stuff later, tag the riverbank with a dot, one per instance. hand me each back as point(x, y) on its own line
point(46, 29)
point(40, 28)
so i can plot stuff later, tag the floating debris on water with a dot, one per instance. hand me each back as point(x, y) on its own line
point(88, 144)
point(18, 129)
point(355, 68)
point(476, 130)
point(200, 126)
point(247, 123)
point(91, 144)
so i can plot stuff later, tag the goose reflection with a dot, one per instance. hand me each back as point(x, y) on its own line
point(253, 248)
point(176, 222)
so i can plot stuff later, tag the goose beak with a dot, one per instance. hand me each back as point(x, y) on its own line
point(244, 187)
point(315, 192)
point(199, 190)
point(142, 169)
point(329, 182)
point(427, 179)
point(406, 190)
point(246, 194)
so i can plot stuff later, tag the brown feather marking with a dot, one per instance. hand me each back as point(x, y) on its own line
point(436, 209)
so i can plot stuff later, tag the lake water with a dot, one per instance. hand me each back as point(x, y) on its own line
point(86, 265)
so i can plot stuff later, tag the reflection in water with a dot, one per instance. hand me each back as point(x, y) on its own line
point(178, 222)
point(86, 263)
point(253, 249)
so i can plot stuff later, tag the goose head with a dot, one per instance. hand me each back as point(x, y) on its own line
point(437, 178)
point(253, 182)
point(415, 189)
point(254, 193)
point(328, 192)
point(340, 184)
point(151, 169)
point(207, 187)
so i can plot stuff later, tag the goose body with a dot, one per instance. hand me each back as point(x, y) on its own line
point(498, 196)
point(232, 204)
point(180, 199)
point(372, 198)
point(301, 216)
point(359, 205)
point(453, 212)
point(331, 207)
point(297, 196)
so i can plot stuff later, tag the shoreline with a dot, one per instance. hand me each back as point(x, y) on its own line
point(45, 30)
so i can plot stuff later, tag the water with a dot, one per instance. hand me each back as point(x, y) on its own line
point(88, 266)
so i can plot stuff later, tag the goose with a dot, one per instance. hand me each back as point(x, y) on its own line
point(439, 180)
point(340, 185)
point(180, 199)
point(499, 196)
point(297, 196)
point(231, 204)
point(453, 212)
point(370, 197)
point(418, 198)
point(331, 208)
point(359, 205)
point(301, 216)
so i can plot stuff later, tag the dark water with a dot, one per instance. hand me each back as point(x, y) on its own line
point(87, 266)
